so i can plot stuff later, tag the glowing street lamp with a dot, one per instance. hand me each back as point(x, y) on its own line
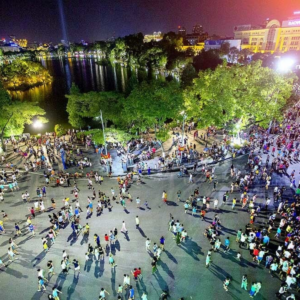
point(37, 124)
point(285, 64)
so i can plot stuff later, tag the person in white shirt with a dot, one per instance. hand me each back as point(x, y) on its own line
point(216, 202)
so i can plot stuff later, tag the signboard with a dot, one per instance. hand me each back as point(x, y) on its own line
point(291, 23)
point(242, 27)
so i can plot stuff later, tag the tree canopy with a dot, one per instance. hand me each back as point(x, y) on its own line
point(248, 92)
point(15, 114)
point(24, 74)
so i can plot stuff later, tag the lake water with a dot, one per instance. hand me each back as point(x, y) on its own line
point(87, 74)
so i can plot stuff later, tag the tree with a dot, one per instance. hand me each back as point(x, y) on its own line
point(15, 114)
point(224, 49)
point(188, 75)
point(74, 107)
point(233, 54)
point(251, 92)
point(207, 60)
point(244, 56)
point(151, 103)
point(88, 105)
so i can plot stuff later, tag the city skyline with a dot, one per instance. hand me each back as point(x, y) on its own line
point(40, 20)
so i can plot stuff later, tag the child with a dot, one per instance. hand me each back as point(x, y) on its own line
point(120, 289)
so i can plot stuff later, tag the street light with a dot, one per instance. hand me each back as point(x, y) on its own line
point(103, 132)
point(182, 139)
point(285, 64)
point(37, 124)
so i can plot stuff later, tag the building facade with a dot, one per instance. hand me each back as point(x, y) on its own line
point(181, 31)
point(272, 36)
point(156, 36)
point(198, 29)
point(216, 44)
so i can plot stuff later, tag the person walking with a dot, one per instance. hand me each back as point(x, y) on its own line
point(76, 266)
point(162, 243)
point(50, 268)
point(227, 245)
point(137, 222)
point(244, 284)
point(208, 260)
point(191, 178)
point(123, 229)
point(111, 261)
point(55, 293)
point(252, 290)
point(148, 242)
point(138, 202)
point(102, 294)
point(41, 284)
point(226, 283)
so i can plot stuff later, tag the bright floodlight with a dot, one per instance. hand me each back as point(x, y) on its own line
point(285, 64)
point(37, 124)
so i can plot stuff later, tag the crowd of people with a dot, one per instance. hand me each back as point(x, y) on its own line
point(275, 245)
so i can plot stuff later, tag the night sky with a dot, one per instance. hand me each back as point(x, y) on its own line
point(38, 20)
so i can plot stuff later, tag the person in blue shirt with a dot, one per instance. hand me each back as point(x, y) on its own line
point(55, 292)
point(162, 243)
point(227, 244)
point(131, 293)
point(266, 240)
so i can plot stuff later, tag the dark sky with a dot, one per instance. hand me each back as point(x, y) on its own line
point(38, 20)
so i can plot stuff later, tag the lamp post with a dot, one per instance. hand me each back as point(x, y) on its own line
point(103, 132)
point(182, 139)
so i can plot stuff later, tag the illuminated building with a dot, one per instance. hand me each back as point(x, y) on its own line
point(181, 31)
point(272, 36)
point(196, 48)
point(156, 36)
point(198, 29)
point(216, 44)
point(10, 47)
point(22, 43)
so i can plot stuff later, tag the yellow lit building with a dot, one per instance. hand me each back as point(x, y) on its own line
point(22, 43)
point(271, 37)
point(196, 48)
point(156, 36)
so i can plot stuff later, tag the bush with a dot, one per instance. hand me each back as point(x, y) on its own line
point(59, 130)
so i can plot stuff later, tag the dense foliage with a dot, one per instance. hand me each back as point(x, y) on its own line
point(22, 74)
point(15, 114)
point(248, 92)
point(251, 93)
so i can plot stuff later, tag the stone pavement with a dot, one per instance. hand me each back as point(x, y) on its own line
point(181, 269)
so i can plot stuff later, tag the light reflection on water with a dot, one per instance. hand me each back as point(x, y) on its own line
point(86, 73)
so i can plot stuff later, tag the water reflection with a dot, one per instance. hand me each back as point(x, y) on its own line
point(87, 74)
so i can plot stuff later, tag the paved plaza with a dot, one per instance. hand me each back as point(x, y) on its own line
point(181, 270)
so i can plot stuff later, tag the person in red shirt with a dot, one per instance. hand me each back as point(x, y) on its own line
point(106, 238)
point(139, 272)
point(135, 274)
point(255, 254)
point(32, 212)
